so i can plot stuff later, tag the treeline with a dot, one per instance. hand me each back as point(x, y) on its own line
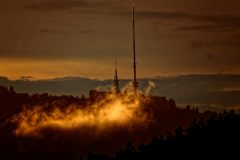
point(216, 136)
point(166, 116)
point(12, 102)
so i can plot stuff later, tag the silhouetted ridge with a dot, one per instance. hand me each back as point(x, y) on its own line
point(56, 143)
point(215, 136)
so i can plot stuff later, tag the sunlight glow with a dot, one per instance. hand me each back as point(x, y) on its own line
point(111, 110)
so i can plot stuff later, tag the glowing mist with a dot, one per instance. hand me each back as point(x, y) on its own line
point(123, 110)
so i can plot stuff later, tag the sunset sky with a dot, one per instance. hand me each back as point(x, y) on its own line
point(57, 38)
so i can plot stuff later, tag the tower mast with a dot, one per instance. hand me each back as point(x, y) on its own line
point(135, 83)
point(116, 89)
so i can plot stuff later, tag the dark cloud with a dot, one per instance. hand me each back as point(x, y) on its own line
point(188, 16)
point(233, 42)
point(209, 56)
point(160, 15)
point(209, 28)
point(60, 5)
point(212, 22)
point(85, 31)
point(80, 7)
point(202, 22)
point(51, 31)
point(54, 31)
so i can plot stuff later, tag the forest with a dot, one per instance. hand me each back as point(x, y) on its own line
point(43, 126)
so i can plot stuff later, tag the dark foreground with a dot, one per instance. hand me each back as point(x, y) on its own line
point(200, 134)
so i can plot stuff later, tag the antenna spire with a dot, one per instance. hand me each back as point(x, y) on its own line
point(135, 83)
point(116, 89)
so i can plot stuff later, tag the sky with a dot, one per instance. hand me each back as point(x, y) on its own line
point(44, 39)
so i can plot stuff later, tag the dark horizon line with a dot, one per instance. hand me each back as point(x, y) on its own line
point(29, 78)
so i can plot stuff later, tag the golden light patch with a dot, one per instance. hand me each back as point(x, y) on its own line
point(112, 110)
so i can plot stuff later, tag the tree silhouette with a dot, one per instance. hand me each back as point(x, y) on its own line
point(215, 136)
point(166, 116)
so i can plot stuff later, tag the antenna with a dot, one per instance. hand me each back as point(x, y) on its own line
point(135, 83)
point(116, 89)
